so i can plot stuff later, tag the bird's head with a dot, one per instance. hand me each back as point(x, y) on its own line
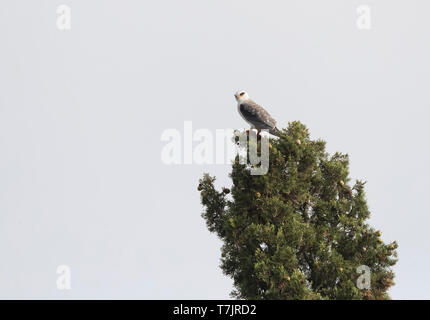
point(241, 96)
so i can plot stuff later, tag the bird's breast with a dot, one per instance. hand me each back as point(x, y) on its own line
point(243, 117)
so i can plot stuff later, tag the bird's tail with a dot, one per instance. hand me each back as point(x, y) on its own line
point(275, 131)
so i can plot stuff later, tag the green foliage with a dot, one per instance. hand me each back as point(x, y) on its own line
point(298, 232)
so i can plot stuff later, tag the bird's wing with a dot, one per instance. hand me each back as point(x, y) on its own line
point(256, 115)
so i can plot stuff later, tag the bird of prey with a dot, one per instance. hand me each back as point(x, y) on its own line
point(254, 114)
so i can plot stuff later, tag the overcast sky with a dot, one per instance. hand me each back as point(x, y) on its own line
point(82, 112)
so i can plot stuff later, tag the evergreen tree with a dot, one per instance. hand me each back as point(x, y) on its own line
point(298, 232)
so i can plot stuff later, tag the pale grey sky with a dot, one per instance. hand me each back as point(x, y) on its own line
point(82, 112)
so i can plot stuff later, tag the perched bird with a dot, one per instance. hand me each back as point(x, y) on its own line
point(254, 114)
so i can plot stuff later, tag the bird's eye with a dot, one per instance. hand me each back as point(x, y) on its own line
point(242, 93)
